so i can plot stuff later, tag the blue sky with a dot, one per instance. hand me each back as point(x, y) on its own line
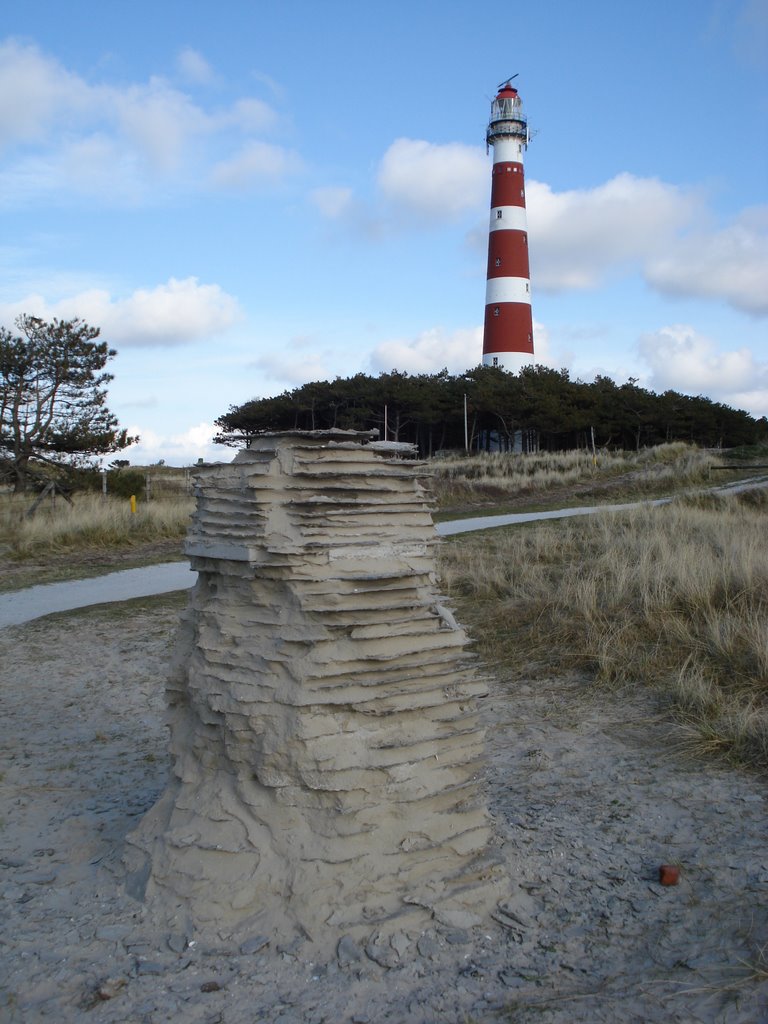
point(248, 195)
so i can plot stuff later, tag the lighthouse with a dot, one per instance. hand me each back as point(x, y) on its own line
point(508, 332)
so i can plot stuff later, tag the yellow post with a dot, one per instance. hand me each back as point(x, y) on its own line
point(133, 503)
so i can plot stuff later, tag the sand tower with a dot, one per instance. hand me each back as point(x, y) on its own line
point(327, 756)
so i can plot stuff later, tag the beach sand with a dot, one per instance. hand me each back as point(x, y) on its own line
point(590, 792)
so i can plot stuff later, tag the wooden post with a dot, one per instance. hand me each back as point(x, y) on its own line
point(50, 488)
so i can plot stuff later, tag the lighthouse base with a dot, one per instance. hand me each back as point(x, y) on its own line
point(512, 362)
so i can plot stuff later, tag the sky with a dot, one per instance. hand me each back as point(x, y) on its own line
point(248, 195)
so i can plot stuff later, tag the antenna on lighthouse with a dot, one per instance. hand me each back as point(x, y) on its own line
point(508, 332)
point(507, 80)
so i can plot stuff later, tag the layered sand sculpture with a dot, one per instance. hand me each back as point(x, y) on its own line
point(326, 749)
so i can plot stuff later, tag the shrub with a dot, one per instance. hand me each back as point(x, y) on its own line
point(122, 483)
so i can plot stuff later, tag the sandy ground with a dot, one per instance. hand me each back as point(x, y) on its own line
point(590, 793)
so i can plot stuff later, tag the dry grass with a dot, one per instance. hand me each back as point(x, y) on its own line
point(90, 522)
point(459, 478)
point(673, 597)
point(98, 524)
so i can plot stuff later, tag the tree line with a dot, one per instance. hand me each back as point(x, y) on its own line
point(54, 416)
point(487, 408)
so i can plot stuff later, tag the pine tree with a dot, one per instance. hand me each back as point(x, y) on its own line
point(53, 397)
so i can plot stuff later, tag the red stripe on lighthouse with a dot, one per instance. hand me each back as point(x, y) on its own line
point(505, 320)
point(507, 185)
point(508, 254)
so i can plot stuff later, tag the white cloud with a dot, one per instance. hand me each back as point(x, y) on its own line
point(66, 133)
point(257, 161)
point(175, 313)
point(543, 355)
point(297, 362)
point(194, 67)
point(456, 351)
point(430, 351)
point(682, 359)
point(419, 183)
point(249, 115)
point(432, 180)
point(35, 92)
point(96, 166)
point(729, 264)
point(179, 449)
point(579, 237)
point(753, 400)
point(332, 202)
point(158, 121)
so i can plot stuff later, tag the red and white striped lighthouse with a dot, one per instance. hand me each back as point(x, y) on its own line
point(508, 333)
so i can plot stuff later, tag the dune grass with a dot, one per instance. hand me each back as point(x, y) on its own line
point(90, 522)
point(494, 477)
point(674, 598)
point(96, 523)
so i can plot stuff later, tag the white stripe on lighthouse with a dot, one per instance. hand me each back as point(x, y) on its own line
point(507, 289)
point(507, 151)
point(509, 361)
point(512, 218)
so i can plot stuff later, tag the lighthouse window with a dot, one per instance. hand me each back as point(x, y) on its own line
point(522, 194)
point(498, 261)
point(527, 287)
point(495, 360)
point(495, 310)
point(498, 215)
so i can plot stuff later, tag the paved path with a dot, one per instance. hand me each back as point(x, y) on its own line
point(24, 605)
point(488, 522)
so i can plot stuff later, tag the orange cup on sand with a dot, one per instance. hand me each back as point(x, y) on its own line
point(669, 874)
